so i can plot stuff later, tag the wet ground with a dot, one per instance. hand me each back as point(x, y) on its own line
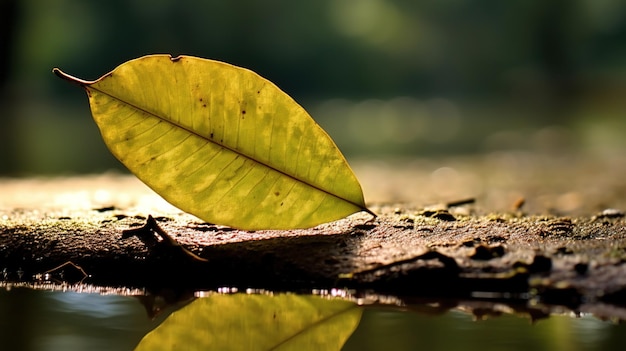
point(513, 226)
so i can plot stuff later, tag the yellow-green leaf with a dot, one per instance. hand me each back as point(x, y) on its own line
point(222, 143)
point(256, 322)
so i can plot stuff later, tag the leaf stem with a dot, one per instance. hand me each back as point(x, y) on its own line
point(70, 78)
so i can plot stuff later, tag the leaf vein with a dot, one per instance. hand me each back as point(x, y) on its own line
point(226, 147)
point(313, 325)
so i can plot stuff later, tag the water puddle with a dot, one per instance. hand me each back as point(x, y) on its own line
point(83, 317)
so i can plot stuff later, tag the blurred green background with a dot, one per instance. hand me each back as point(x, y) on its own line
point(385, 78)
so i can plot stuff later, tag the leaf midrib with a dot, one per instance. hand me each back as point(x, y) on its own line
point(193, 132)
point(314, 325)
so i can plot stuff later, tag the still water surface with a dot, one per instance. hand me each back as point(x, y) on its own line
point(47, 320)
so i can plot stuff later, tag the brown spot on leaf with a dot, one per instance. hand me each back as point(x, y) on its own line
point(277, 193)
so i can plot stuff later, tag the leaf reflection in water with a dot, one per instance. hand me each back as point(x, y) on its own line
point(256, 322)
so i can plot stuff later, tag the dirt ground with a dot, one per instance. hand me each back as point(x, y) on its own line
point(506, 225)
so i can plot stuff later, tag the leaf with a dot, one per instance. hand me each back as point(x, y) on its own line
point(256, 322)
point(222, 143)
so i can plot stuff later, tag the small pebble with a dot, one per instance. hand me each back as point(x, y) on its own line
point(581, 268)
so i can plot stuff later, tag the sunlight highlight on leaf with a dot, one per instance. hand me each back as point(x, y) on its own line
point(222, 143)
